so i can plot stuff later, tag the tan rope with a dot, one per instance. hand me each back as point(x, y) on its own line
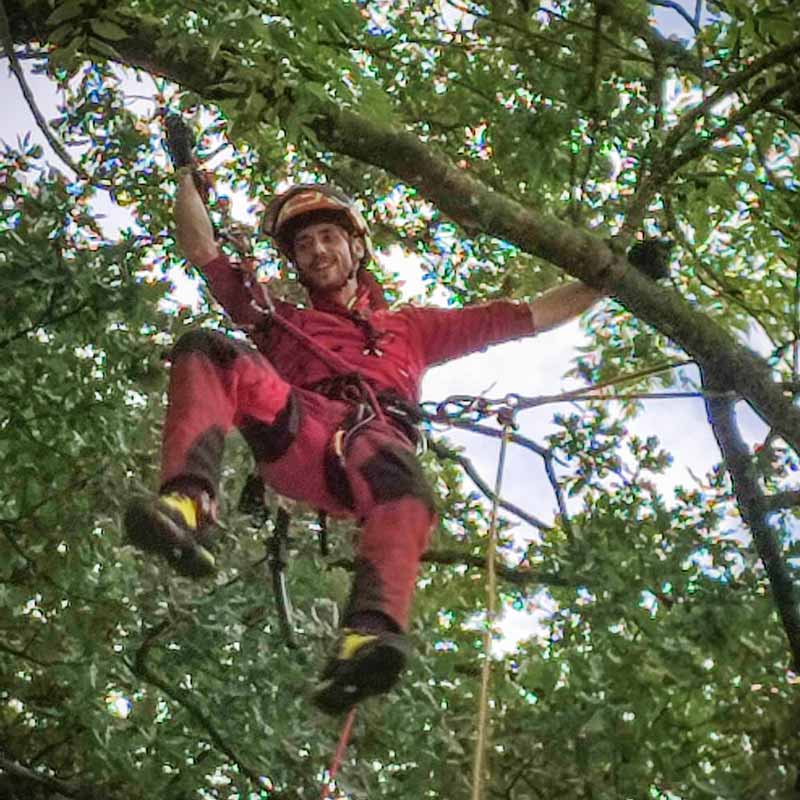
point(479, 766)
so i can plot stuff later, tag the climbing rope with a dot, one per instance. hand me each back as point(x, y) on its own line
point(483, 733)
point(329, 784)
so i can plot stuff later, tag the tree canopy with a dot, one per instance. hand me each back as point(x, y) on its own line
point(508, 146)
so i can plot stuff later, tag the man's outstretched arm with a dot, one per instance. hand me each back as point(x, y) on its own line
point(562, 304)
point(194, 232)
point(195, 236)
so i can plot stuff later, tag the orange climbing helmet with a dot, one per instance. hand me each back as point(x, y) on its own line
point(313, 202)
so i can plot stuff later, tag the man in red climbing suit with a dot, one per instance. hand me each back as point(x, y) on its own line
point(329, 440)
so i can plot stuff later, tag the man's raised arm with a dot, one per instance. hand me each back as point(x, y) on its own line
point(562, 304)
point(194, 232)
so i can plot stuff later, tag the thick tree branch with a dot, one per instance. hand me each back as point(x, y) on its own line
point(754, 510)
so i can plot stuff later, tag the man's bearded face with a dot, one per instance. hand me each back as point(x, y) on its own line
point(326, 256)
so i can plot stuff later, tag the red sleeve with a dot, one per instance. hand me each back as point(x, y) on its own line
point(443, 334)
point(227, 285)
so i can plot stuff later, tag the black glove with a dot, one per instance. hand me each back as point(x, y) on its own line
point(180, 146)
point(180, 141)
point(651, 257)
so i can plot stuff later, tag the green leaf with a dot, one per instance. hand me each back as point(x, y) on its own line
point(65, 11)
point(108, 30)
point(105, 48)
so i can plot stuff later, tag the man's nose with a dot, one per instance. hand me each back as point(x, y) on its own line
point(318, 246)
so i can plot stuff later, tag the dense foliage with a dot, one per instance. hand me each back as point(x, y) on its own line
point(504, 144)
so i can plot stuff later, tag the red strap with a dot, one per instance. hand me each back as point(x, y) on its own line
point(261, 299)
point(328, 786)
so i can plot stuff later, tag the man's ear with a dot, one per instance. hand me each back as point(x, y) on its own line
point(357, 248)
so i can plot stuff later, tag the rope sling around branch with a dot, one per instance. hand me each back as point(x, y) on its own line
point(480, 765)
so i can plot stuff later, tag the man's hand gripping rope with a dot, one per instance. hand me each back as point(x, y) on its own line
point(180, 144)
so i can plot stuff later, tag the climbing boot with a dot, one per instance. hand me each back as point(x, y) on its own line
point(174, 526)
point(364, 664)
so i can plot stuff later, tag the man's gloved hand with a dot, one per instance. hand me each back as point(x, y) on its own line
point(180, 141)
point(651, 257)
point(180, 146)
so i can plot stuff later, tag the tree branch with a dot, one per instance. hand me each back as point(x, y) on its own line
point(44, 321)
point(782, 500)
point(754, 510)
point(729, 86)
point(515, 575)
point(758, 104)
point(665, 164)
point(41, 122)
point(664, 50)
point(444, 452)
point(41, 780)
point(141, 669)
point(680, 10)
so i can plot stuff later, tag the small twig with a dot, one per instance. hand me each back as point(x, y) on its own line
point(729, 86)
point(680, 10)
point(42, 780)
point(758, 104)
point(36, 325)
point(784, 114)
point(558, 492)
point(40, 662)
point(141, 669)
point(25, 56)
point(442, 451)
point(782, 500)
point(665, 163)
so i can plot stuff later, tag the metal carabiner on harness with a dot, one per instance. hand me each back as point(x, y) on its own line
point(277, 545)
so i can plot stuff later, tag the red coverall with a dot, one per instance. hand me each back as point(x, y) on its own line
point(217, 382)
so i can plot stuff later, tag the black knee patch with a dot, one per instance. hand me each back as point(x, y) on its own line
point(203, 461)
point(336, 480)
point(269, 441)
point(367, 592)
point(393, 473)
point(218, 348)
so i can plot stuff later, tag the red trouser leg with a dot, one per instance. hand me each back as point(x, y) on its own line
point(216, 383)
point(395, 504)
point(385, 490)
